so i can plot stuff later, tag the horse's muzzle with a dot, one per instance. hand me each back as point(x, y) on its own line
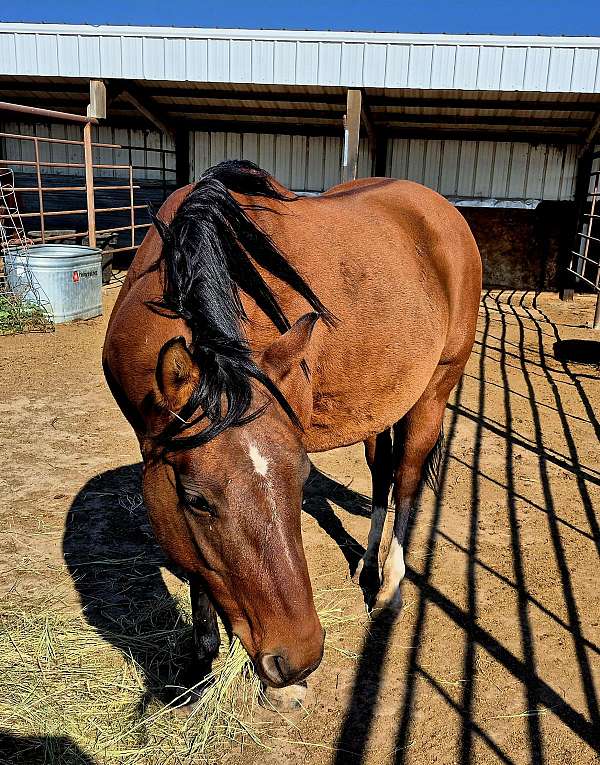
point(276, 670)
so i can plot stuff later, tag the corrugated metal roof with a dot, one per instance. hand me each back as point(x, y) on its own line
point(282, 57)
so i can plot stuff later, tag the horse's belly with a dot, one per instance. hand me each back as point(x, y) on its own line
point(366, 399)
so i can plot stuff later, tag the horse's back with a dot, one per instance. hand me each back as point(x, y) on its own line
point(399, 267)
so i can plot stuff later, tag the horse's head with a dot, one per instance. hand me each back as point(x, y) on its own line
point(229, 510)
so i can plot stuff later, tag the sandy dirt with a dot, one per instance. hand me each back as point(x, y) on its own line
point(495, 657)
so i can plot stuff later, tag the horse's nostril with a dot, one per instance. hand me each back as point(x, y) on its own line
point(275, 668)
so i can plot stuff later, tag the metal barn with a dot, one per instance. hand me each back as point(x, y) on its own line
point(505, 127)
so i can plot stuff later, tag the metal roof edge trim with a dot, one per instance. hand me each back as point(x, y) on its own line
point(301, 35)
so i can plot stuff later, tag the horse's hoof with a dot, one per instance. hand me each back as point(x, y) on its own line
point(285, 700)
point(387, 604)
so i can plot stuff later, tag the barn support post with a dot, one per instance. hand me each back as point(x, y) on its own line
point(182, 157)
point(98, 101)
point(351, 135)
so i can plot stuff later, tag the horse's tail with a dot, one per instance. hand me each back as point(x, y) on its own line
point(433, 462)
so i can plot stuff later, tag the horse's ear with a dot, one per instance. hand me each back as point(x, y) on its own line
point(176, 374)
point(293, 347)
point(289, 362)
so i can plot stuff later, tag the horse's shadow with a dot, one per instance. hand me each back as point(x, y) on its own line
point(40, 750)
point(115, 564)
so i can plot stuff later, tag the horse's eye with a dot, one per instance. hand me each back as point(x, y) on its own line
point(198, 503)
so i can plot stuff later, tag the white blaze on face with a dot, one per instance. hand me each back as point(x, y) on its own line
point(260, 462)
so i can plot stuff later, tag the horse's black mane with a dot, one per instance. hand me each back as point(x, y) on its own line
point(209, 251)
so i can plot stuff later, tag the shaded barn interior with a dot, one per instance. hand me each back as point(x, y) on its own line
point(500, 126)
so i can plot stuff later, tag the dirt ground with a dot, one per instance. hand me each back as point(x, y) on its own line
point(495, 658)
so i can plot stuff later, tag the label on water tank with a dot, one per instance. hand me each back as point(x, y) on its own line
point(77, 275)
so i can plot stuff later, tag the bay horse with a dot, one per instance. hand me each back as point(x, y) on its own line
point(256, 326)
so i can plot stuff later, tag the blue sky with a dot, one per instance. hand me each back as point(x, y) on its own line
point(575, 17)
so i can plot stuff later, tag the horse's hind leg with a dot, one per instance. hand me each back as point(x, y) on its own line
point(416, 437)
point(378, 453)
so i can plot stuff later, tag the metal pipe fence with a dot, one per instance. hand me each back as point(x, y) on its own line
point(124, 184)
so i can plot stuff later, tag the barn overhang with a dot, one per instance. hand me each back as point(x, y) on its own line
point(494, 119)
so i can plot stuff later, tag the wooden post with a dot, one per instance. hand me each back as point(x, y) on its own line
point(97, 105)
point(182, 157)
point(351, 135)
point(89, 183)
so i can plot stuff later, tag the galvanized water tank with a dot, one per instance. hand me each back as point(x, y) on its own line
point(68, 276)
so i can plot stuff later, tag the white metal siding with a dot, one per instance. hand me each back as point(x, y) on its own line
point(474, 62)
point(50, 152)
point(302, 163)
point(486, 169)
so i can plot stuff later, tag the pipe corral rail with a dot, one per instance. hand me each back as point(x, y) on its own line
point(39, 167)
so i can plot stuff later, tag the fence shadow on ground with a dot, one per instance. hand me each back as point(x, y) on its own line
point(108, 537)
point(529, 357)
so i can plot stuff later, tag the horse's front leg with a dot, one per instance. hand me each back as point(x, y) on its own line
point(206, 637)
